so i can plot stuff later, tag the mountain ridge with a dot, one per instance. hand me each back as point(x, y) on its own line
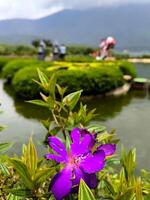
point(129, 24)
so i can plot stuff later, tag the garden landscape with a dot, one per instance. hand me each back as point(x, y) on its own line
point(74, 125)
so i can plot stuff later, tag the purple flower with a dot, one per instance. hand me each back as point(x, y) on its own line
point(79, 163)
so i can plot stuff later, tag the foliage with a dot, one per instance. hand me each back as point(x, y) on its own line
point(62, 109)
point(79, 58)
point(12, 67)
point(84, 192)
point(93, 78)
point(20, 50)
point(127, 68)
point(79, 50)
point(4, 61)
point(36, 43)
point(28, 177)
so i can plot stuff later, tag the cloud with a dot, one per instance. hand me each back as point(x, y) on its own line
point(40, 8)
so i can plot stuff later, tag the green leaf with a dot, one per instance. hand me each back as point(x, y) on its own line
point(43, 174)
point(128, 195)
point(96, 128)
point(22, 170)
point(84, 192)
point(38, 102)
point(61, 90)
point(72, 99)
point(21, 192)
point(52, 85)
point(139, 195)
point(12, 197)
point(5, 146)
point(4, 170)
point(2, 128)
point(43, 78)
point(30, 158)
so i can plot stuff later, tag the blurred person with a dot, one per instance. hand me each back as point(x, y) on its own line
point(105, 46)
point(41, 50)
point(62, 50)
point(55, 51)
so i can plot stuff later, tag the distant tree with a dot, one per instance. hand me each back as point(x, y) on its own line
point(36, 43)
point(48, 43)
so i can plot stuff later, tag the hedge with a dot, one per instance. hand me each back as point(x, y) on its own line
point(12, 67)
point(92, 81)
point(4, 61)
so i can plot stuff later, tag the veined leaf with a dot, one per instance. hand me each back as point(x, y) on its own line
point(21, 192)
point(84, 192)
point(42, 174)
point(4, 170)
point(52, 85)
point(139, 195)
point(128, 195)
point(12, 197)
point(96, 128)
point(38, 102)
point(43, 78)
point(22, 170)
point(61, 90)
point(4, 147)
point(72, 99)
point(30, 158)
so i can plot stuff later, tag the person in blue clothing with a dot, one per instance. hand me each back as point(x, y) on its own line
point(42, 50)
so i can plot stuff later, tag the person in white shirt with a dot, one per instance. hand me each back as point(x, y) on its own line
point(62, 52)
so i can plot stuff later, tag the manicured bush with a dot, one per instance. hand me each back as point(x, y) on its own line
point(92, 81)
point(79, 58)
point(127, 68)
point(4, 61)
point(12, 67)
point(79, 50)
point(93, 78)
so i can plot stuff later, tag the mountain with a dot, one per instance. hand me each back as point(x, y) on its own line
point(129, 24)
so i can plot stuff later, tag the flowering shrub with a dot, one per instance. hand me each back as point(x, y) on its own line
point(81, 162)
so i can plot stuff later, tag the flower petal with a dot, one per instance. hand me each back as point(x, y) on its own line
point(75, 135)
point(77, 175)
point(58, 146)
point(93, 163)
point(57, 158)
point(109, 149)
point(91, 180)
point(82, 146)
point(61, 184)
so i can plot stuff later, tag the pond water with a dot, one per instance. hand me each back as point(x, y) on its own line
point(128, 114)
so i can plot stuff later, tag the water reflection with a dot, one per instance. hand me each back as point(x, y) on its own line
point(26, 109)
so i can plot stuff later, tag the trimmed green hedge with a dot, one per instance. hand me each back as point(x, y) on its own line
point(94, 78)
point(12, 67)
point(4, 61)
point(127, 68)
point(92, 81)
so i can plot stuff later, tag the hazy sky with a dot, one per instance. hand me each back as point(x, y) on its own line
point(39, 8)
